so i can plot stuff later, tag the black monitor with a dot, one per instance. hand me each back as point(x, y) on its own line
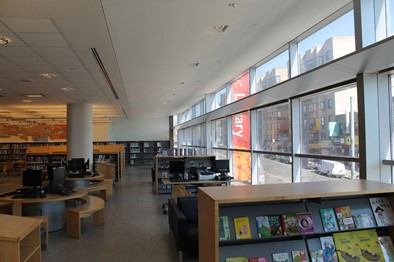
point(58, 176)
point(32, 178)
point(222, 166)
point(177, 168)
point(76, 165)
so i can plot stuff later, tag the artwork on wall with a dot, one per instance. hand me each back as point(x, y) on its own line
point(38, 132)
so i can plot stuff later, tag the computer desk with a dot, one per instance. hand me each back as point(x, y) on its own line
point(52, 205)
point(80, 182)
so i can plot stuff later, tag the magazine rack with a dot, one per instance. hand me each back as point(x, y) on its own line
point(253, 201)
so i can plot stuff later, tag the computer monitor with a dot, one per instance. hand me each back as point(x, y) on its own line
point(222, 166)
point(32, 178)
point(59, 175)
point(76, 165)
point(177, 169)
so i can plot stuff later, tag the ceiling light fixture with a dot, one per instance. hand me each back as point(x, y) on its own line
point(4, 40)
point(67, 89)
point(216, 29)
point(27, 80)
point(47, 75)
point(34, 95)
point(26, 101)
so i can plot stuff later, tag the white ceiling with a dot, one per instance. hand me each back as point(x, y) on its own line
point(147, 47)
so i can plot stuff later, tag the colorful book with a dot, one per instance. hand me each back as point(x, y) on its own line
point(364, 220)
point(224, 229)
point(387, 248)
point(305, 223)
point(242, 228)
point(329, 220)
point(328, 247)
point(289, 224)
point(317, 255)
point(275, 225)
point(263, 226)
point(280, 257)
point(299, 256)
point(237, 259)
point(382, 211)
point(344, 218)
point(362, 245)
point(258, 259)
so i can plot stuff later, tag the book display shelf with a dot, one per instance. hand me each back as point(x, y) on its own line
point(142, 153)
point(162, 169)
point(308, 203)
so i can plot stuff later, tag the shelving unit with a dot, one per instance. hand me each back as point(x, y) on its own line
point(252, 201)
point(20, 239)
point(162, 171)
point(142, 153)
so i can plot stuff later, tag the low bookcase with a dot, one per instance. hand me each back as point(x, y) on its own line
point(260, 200)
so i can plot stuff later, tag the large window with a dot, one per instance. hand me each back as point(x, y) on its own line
point(329, 43)
point(391, 17)
point(392, 115)
point(219, 133)
point(272, 72)
point(274, 128)
point(220, 98)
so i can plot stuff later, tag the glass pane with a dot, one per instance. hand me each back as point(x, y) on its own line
point(391, 17)
point(220, 133)
point(272, 72)
point(220, 98)
point(241, 168)
point(220, 154)
point(240, 88)
point(273, 169)
point(329, 123)
point(329, 43)
point(392, 116)
point(274, 128)
point(325, 170)
point(241, 131)
point(197, 141)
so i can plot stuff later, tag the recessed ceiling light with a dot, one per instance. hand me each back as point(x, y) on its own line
point(4, 40)
point(34, 95)
point(26, 101)
point(48, 75)
point(67, 89)
point(233, 5)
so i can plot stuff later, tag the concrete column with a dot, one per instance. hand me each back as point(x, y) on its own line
point(80, 132)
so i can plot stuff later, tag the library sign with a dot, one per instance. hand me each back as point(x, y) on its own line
point(241, 132)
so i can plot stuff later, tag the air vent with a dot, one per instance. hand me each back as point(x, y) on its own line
point(216, 29)
point(104, 71)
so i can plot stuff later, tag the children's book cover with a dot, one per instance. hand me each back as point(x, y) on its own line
point(275, 225)
point(317, 255)
point(281, 257)
point(224, 229)
point(328, 247)
point(360, 245)
point(305, 223)
point(382, 211)
point(242, 227)
point(387, 247)
point(344, 218)
point(258, 259)
point(329, 220)
point(299, 256)
point(364, 220)
point(237, 259)
point(289, 224)
point(263, 226)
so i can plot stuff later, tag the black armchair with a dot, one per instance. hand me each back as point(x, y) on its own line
point(183, 222)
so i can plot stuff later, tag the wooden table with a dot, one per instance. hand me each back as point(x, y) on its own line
point(196, 182)
point(79, 182)
point(102, 187)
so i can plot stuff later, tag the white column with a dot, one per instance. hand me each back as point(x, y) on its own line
point(80, 132)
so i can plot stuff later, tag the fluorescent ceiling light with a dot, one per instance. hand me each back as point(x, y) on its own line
point(47, 75)
point(34, 95)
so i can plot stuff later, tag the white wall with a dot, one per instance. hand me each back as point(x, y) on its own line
point(151, 129)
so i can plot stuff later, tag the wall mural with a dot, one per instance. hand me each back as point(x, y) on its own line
point(38, 132)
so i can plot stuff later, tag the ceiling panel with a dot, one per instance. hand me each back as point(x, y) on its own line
point(32, 25)
point(39, 39)
point(17, 51)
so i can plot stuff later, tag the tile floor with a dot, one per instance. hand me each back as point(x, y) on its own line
point(135, 228)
